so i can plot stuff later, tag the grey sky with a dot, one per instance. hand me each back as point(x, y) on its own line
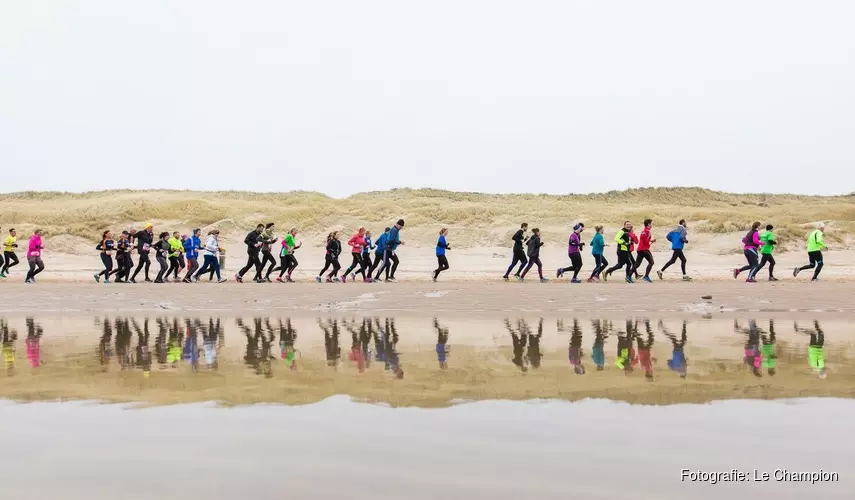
point(342, 96)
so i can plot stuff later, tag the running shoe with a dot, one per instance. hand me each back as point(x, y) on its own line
point(686, 277)
point(606, 277)
point(97, 277)
point(352, 276)
point(575, 280)
point(344, 278)
point(392, 279)
point(2, 275)
point(318, 279)
point(735, 273)
point(591, 279)
point(159, 281)
point(336, 280)
point(505, 279)
point(371, 280)
point(132, 280)
point(544, 280)
point(288, 279)
point(28, 281)
point(279, 279)
point(796, 272)
point(433, 279)
point(238, 278)
point(106, 282)
point(221, 280)
point(659, 273)
point(519, 278)
point(772, 278)
point(812, 280)
point(147, 279)
point(629, 279)
point(751, 280)
point(647, 279)
point(186, 280)
point(558, 273)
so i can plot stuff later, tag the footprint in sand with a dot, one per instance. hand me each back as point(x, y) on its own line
point(436, 294)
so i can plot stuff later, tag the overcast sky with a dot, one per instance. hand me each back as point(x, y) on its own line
point(343, 96)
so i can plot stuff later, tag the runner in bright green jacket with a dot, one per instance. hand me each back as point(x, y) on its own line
point(815, 246)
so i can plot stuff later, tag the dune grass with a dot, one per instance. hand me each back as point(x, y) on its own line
point(477, 218)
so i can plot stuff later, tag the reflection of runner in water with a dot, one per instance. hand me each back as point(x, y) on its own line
point(816, 348)
point(391, 342)
point(518, 340)
point(645, 350)
point(9, 339)
point(105, 351)
point(143, 353)
point(767, 350)
point(753, 357)
point(252, 357)
point(442, 349)
point(356, 352)
point(287, 339)
point(533, 354)
point(123, 343)
point(598, 353)
point(678, 362)
point(331, 337)
point(190, 351)
point(624, 349)
point(574, 352)
point(379, 343)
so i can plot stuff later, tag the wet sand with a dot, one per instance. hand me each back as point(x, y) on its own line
point(796, 299)
point(500, 450)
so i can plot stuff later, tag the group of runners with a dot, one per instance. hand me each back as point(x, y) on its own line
point(178, 255)
point(634, 250)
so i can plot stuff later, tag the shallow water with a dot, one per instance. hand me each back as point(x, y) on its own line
point(421, 361)
point(492, 449)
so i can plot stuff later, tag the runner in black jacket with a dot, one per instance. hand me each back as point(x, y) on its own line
point(253, 248)
point(519, 252)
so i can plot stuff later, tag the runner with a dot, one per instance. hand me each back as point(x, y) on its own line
point(365, 268)
point(192, 245)
point(389, 254)
point(287, 260)
point(333, 250)
point(678, 240)
point(622, 238)
point(176, 249)
point(574, 251)
point(633, 241)
point(253, 244)
point(378, 254)
point(598, 243)
point(534, 243)
point(816, 348)
point(768, 240)
point(123, 258)
point(267, 239)
point(441, 247)
point(106, 246)
point(518, 340)
point(211, 253)
point(815, 246)
point(751, 242)
point(34, 256)
point(644, 241)
point(144, 239)
point(357, 244)
point(161, 249)
point(9, 257)
point(519, 254)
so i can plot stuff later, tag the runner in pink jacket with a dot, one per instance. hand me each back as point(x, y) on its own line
point(34, 256)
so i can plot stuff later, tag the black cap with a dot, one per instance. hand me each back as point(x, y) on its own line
point(769, 227)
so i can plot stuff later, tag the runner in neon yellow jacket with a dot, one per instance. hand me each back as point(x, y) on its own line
point(815, 246)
